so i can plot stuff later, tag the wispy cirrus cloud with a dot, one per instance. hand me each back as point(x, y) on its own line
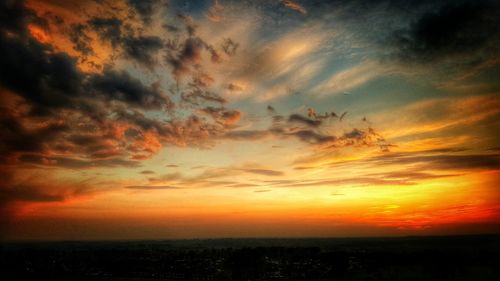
point(346, 80)
point(151, 187)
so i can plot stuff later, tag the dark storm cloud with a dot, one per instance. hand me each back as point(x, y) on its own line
point(120, 85)
point(63, 104)
point(145, 8)
point(142, 48)
point(14, 17)
point(139, 48)
point(47, 79)
point(15, 137)
point(456, 28)
point(185, 56)
point(190, 54)
point(108, 29)
point(139, 119)
point(453, 37)
point(297, 118)
point(95, 146)
point(80, 39)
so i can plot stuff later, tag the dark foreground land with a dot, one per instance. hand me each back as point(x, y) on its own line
point(409, 258)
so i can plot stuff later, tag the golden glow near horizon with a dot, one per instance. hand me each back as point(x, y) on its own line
point(185, 121)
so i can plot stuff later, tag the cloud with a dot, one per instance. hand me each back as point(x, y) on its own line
point(454, 29)
point(412, 175)
point(273, 67)
point(459, 116)
point(234, 87)
point(264, 172)
point(151, 187)
point(452, 40)
point(314, 131)
point(76, 163)
point(14, 17)
point(240, 185)
point(226, 176)
point(81, 40)
point(230, 47)
point(120, 85)
point(108, 29)
point(461, 162)
point(435, 161)
point(350, 78)
point(246, 134)
point(271, 109)
point(27, 193)
point(142, 49)
point(185, 57)
point(304, 120)
point(223, 116)
point(294, 6)
point(214, 12)
point(52, 79)
point(310, 136)
point(16, 137)
point(189, 55)
point(119, 100)
point(337, 181)
point(64, 116)
point(391, 177)
point(359, 181)
point(20, 187)
point(146, 8)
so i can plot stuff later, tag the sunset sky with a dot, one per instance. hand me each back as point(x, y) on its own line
point(204, 119)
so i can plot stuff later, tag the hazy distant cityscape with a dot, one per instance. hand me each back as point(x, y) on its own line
point(428, 258)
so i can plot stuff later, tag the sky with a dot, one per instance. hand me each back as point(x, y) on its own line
point(206, 119)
